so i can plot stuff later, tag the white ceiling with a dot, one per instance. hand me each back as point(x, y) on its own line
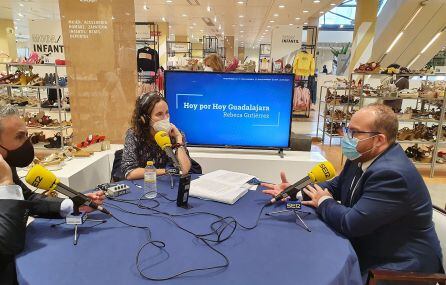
point(248, 20)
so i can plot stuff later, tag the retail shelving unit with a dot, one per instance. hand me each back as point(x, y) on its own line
point(35, 91)
point(329, 123)
point(421, 104)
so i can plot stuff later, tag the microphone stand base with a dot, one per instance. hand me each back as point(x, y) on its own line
point(76, 220)
point(296, 212)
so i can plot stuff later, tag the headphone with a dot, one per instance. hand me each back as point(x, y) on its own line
point(144, 100)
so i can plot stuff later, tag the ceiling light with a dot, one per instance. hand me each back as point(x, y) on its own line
point(266, 30)
point(413, 61)
point(394, 42)
point(297, 18)
point(290, 24)
point(241, 25)
point(333, 4)
point(169, 1)
point(316, 1)
point(276, 15)
point(241, 16)
point(194, 24)
point(163, 19)
point(306, 23)
point(184, 15)
point(305, 11)
point(241, 2)
point(268, 26)
point(272, 21)
point(281, 6)
point(208, 8)
point(413, 17)
point(242, 31)
point(321, 12)
point(219, 27)
point(21, 5)
point(201, 30)
point(146, 7)
point(431, 42)
point(20, 14)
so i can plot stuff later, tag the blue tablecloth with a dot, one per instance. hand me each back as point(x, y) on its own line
point(278, 251)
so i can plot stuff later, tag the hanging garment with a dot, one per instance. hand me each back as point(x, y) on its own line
point(264, 64)
point(301, 99)
point(303, 64)
point(147, 59)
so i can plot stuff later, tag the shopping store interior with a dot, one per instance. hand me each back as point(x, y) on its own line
point(215, 141)
point(59, 46)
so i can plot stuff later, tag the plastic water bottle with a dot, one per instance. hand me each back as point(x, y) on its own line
point(150, 180)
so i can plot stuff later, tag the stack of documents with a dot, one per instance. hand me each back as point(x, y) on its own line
point(221, 186)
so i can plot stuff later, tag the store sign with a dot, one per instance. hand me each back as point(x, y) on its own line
point(285, 40)
point(46, 39)
point(179, 47)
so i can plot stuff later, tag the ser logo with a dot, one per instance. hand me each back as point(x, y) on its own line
point(325, 170)
point(37, 181)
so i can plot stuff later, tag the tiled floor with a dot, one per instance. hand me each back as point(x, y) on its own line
point(308, 126)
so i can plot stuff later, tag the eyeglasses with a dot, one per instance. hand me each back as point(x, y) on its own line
point(350, 133)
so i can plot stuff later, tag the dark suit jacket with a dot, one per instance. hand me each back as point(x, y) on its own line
point(13, 217)
point(389, 219)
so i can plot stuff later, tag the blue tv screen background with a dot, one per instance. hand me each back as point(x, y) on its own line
point(231, 109)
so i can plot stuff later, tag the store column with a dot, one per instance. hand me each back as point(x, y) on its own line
point(100, 53)
point(8, 48)
point(229, 48)
point(241, 54)
point(363, 36)
point(163, 29)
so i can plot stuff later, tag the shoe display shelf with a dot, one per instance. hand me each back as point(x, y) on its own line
point(24, 90)
point(421, 129)
point(335, 110)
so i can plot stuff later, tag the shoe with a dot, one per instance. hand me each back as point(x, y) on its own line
point(54, 142)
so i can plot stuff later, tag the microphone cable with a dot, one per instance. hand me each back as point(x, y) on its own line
point(222, 228)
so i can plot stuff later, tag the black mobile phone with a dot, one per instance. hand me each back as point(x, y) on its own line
point(183, 190)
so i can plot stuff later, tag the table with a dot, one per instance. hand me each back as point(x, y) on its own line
point(82, 173)
point(277, 251)
point(264, 164)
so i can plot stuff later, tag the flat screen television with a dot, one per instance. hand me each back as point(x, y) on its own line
point(239, 110)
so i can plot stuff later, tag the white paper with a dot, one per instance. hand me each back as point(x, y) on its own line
point(221, 186)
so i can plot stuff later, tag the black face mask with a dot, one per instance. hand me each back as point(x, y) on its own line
point(22, 156)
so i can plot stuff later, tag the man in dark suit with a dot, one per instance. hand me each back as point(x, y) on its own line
point(17, 201)
point(385, 209)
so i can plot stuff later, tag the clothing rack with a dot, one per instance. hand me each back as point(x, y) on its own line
point(210, 45)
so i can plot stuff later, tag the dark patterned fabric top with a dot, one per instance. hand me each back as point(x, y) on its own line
point(137, 153)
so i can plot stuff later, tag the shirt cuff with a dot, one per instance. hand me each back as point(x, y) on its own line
point(322, 199)
point(11, 192)
point(66, 207)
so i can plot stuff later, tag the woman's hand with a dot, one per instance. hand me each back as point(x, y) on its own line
point(176, 134)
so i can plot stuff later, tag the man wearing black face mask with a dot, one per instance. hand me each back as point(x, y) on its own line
point(17, 201)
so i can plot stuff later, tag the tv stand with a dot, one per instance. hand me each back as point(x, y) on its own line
point(280, 153)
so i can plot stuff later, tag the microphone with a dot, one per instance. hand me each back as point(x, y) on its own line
point(163, 140)
point(321, 172)
point(40, 177)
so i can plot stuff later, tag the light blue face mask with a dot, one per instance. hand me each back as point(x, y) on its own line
point(349, 147)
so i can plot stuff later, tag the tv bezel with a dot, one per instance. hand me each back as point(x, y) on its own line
point(238, 146)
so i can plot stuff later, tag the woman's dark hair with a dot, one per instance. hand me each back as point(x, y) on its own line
point(141, 115)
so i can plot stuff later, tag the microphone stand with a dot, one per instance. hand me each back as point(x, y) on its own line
point(78, 218)
point(295, 211)
point(172, 172)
